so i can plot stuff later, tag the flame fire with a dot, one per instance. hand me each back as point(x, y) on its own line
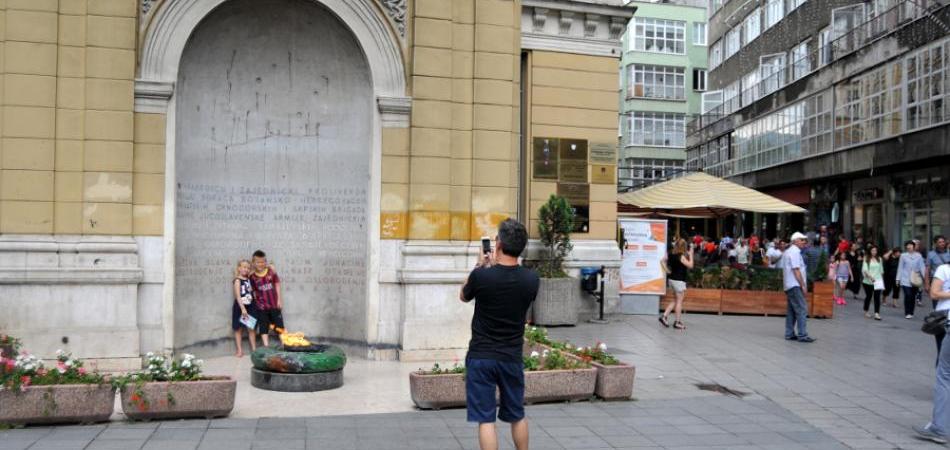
point(290, 339)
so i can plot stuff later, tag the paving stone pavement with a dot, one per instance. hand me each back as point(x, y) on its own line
point(861, 385)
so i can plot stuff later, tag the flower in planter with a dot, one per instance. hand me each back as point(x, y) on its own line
point(28, 370)
point(439, 370)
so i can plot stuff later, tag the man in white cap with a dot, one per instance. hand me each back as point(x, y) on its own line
point(793, 276)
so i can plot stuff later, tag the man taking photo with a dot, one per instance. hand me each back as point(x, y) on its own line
point(503, 291)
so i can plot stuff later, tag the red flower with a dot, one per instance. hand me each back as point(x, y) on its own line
point(25, 380)
point(134, 397)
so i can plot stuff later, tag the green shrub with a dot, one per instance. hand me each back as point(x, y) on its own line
point(555, 223)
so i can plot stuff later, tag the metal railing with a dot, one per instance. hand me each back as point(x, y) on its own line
point(861, 35)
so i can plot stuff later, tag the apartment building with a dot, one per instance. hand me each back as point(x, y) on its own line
point(663, 74)
point(834, 105)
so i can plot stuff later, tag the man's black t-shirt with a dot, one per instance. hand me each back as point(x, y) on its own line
point(502, 296)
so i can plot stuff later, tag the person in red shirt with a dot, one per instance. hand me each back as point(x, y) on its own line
point(268, 301)
point(710, 247)
point(843, 244)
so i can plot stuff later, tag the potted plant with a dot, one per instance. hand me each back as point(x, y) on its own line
point(174, 389)
point(438, 387)
point(556, 303)
point(31, 393)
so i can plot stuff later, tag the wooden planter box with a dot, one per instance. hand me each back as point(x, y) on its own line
point(769, 303)
point(559, 385)
point(207, 398)
point(696, 300)
point(614, 382)
point(64, 403)
point(823, 300)
point(437, 391)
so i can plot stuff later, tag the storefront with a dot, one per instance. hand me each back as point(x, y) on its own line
point(869, 210)
point(922, 204)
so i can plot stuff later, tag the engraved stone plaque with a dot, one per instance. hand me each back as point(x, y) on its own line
point(274, 117)
point(573, 171)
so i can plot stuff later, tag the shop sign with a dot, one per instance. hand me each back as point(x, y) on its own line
point(868, 194)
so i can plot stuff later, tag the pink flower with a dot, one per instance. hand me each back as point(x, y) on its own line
point(10, 364)
point(82, 370)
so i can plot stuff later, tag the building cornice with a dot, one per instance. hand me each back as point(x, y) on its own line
point(574, 27)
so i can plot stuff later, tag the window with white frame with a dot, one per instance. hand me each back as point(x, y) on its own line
point(774, 11)
point(733, 42)
point(657, 129)
point(711, 101)
point(715, 55)
point(750, 87)
point(699, 33)
point(699, 80)
point(824, 46)
point(799, 60)
point(772, 76)
point(659, 36)
point(928, 83)
point(799, 130)
point(793, 4)
point(662, 82)
point(731, 97)
point(647, 171)
point(869, 107)
point(752, 25)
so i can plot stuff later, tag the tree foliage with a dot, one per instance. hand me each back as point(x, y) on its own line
point(555, 224)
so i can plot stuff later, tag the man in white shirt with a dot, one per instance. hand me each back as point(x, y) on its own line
point(794, 283)
point(774, 254)
point(939, 427)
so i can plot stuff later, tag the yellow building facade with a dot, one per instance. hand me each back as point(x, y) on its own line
point(365, 144)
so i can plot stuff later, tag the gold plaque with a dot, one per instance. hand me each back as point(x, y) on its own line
point(578, 194)
point(545, 161)
point(573, 171)
point(603, 174)
point(575, 149)
point(603, 153)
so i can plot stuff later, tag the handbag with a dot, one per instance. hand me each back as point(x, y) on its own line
point(935, 323)
point(878, 284)
point(916, 280)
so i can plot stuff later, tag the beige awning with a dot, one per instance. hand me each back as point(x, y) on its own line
point(701, 195)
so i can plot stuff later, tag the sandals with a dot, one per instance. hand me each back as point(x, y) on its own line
point(679, 325)
point(664, 321)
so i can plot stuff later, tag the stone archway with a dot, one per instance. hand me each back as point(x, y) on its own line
point(342, 298)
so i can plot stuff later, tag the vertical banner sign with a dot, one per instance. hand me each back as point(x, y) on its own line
point(644, 249)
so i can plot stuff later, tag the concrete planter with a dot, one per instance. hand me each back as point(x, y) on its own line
point(614, 382)
point(556, 303)
point(437, 391)
point(206, 398)
point(559, 385)
point(64, 403)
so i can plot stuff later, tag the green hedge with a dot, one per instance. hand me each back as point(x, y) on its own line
point(749, 279)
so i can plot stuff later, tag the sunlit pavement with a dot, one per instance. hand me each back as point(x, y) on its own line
point(861, 385)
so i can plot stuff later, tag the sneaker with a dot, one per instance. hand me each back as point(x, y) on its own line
point(791, 338)
point(909, 316)
point(920, 303)
point(806, 339)
point(867, 314)
point(877, 316)
point(927, 435)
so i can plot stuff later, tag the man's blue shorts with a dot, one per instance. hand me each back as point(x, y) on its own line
point(481, 378)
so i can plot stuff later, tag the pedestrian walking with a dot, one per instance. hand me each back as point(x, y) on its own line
point(911, 276)
point(891, 260)
point(794, 281)
point(873, 280)
point(936, 258)
point(938, 429)
point(856, 259)
point(502, 290)
point(843, 275)
point(680, 261)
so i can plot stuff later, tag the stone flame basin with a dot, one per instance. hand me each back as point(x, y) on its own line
point(316, 367)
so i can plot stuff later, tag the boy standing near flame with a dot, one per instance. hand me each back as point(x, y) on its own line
point(267, 297)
